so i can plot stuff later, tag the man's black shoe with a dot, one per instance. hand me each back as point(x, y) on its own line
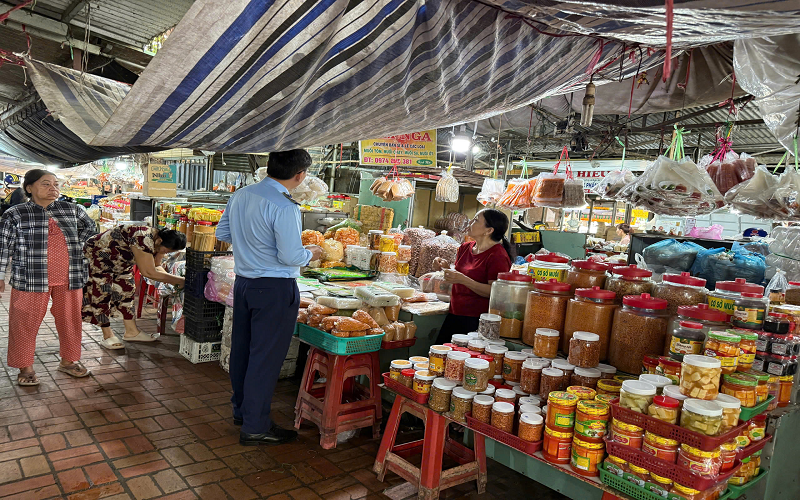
point(277, 435)
point(238, 421)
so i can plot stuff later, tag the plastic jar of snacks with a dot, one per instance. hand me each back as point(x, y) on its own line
point(609, 386)
point(498, 353)
point(747, 349)
point(397, 366)
point(741, 386)
point(638, 475)
point(404, 252)
point(660, 447)
point(402, 267)
point(586, 274)
point(476, 345)
point(586, 377)
point(489, 326)
point(388, 262)
point(731, 408)
point(727, 454)
point(665, 409)
point(586, 456)
point(582, 393)
point(629, 280)
point(490, 389)
point(591, 419)
point(421, 366)
point(639, 330)
point(546, 308)
point(460, 340)
point(461, 403)
point(704, 463)
point(680, 290)
point(774, 384)
point(757, 427)
point(531, 375)
point(584, 350)
point(607, 372)
point(616, 465)
point(418, 359)
point(627, 434)
point(512, 365)
point(661, 486)
point(687, 338)
point(669, 368)
point(561, 410)
point(777, 323)
point(762, 388)
point(437, 356)
point(476, 375)
point(674, 392)
point(508, 299)
point(657, 380)
point(700, 376)
point(423, 381)
point(749, 311)
point(551, 381)
point(503, 416)
point(505, 396)
point(701, 416)
point(439, 399)
point(545, 343)
point(528, 408)
point(530, 400)
point(650, 364)
point(722, 298)
point(387, 243)
point(591, 310)
point(407, 377)
point(636, 395)
point(557, 445)
point(725, 347)
point(711, 319)
point(531, 427)
point(566, 367)
point(454, 367)
point(482, 408)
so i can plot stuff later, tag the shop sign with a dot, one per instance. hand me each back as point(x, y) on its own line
point(417, 149)
point(160, 180)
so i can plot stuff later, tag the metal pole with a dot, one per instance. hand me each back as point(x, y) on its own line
point(591, 211)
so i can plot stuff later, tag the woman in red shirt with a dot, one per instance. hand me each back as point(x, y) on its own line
point(477, 265)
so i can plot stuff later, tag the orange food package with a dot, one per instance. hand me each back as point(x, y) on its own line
point(315, 320)
point(364, 317)
point(346, 236)
point(320, 309)
point(302, 316)
point(311, 237)
point(328, 322)
point(339, 333)
point(345, 324)
point(518, 194)
point(306, 302)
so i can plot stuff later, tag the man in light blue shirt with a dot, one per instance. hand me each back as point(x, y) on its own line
point(263, 224)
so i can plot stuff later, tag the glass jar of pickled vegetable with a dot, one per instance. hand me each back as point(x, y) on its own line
point(700, 377)
point(546, 308)
point(508, 299)
point(664, 408)
point(731, 408)
point(741, 386)
point(636, 395)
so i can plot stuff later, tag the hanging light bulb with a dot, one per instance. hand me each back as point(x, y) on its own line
point(587, 113)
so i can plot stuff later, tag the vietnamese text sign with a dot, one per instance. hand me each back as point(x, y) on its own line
point(407, 150)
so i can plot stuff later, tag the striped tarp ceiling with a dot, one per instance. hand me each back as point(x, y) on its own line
point(250, 76)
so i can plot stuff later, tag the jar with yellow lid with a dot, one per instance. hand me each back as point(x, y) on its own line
point(660, 447)
point(638, 475)
point(605, 398)
point(609, 386)
point(582, 392)
point(686, 492)
point(557, 446)
point(616, 465)
point(591, 419)
point(561, 410)
point(586, 456)
point(704, 463)
point(727, 453)
point(627, 434)
point(658, 485)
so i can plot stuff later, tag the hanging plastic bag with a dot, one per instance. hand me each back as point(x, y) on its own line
point(517, 195)
point(491, 191)
point(447, 188)
point(752, 196)
point(310, 190)
point(574, 195)
point(549, 190)
point(778, 283)
point(673, 256)
point(613, 183)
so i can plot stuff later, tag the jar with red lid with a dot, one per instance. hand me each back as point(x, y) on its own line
point(591, 310)
point(639, 330)
point(711, 319)
point(407, 377)
point(586, 274)
point(750, 310)
point(725, 293)
point(680, 290)
point(665, 409)
point(650, 365)
point(780, 365)
point(669, 368)
point(508, 298)
point(660, 447)
point(686, 338)
point(546, 308)
point(629, 280)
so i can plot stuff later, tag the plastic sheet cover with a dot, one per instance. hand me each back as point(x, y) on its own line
point(768, 68)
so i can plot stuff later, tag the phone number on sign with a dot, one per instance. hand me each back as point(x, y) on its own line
point(389, 161)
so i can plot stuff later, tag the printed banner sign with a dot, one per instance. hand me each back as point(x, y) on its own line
point(417, 149)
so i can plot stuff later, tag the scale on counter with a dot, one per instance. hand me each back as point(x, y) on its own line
point(321, 220)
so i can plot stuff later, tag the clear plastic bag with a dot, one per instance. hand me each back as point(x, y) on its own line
point(785, 200)
point(613, 183)
point(447, 188)
point(442, 246)
point(777, 283)
point(574, 195)
point(491, 191)
point(730, 170)
point(332, 250)
point(311, 189)
point(518, 194)
point(752, 196)
point(434, 283)
point(414, 236)
point(549, 190)
point(713, 232)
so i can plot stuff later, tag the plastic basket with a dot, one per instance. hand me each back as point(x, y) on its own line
point(397, 344)
point(753, 448)
point(735, 491)
point(748, 413)
point(198, 264)
point(200, 352)
point(202, 331)
point(398, 388)
point(671, 431)
point(632, 490)
point(338, 345)
point(526, 447)
point(680, 475)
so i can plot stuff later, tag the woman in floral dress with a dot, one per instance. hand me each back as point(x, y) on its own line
point(111, 287)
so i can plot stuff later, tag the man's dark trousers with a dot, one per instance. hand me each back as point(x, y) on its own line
point(264, 316)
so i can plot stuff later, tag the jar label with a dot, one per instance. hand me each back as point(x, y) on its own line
point(582, 463)
point(758, 365)
point(635, 480)
point(436, 364)
point(506, 369)
point(757, 434)
point(566, 421)
point(591, 428)
point(394, 375)
point(751, 316)
point(725, 361)
point(661, 453)
point(546, 274)
point(761, 345)
point(452, 407)
point(724, 305)
point(701, 467)
point(746, 358)
point(470, 379)
point(774, 368)
point(736, 480)
point(778, 348)
point(422, 387)
point(613, 469)
point(657, 490)
point(680, 345)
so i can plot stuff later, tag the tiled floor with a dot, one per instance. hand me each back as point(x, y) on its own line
point(149, 424)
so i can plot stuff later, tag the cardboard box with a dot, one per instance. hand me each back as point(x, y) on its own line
point(160, 180)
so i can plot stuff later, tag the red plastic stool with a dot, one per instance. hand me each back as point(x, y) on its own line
point(429, 477)
point(340, 404)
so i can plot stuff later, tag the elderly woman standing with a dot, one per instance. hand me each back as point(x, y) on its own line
point(44, 240)
point(111, 288)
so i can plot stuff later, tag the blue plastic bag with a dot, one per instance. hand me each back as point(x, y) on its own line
point(717, 264)
point(671, 256)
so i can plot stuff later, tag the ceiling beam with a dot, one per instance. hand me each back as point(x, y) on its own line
point(72, 10)
point(49, 29)
point(8, 100)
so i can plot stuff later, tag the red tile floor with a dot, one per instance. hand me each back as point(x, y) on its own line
point(149, 424)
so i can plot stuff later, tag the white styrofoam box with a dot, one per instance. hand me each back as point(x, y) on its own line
point(225, 358)
point(199, 352)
